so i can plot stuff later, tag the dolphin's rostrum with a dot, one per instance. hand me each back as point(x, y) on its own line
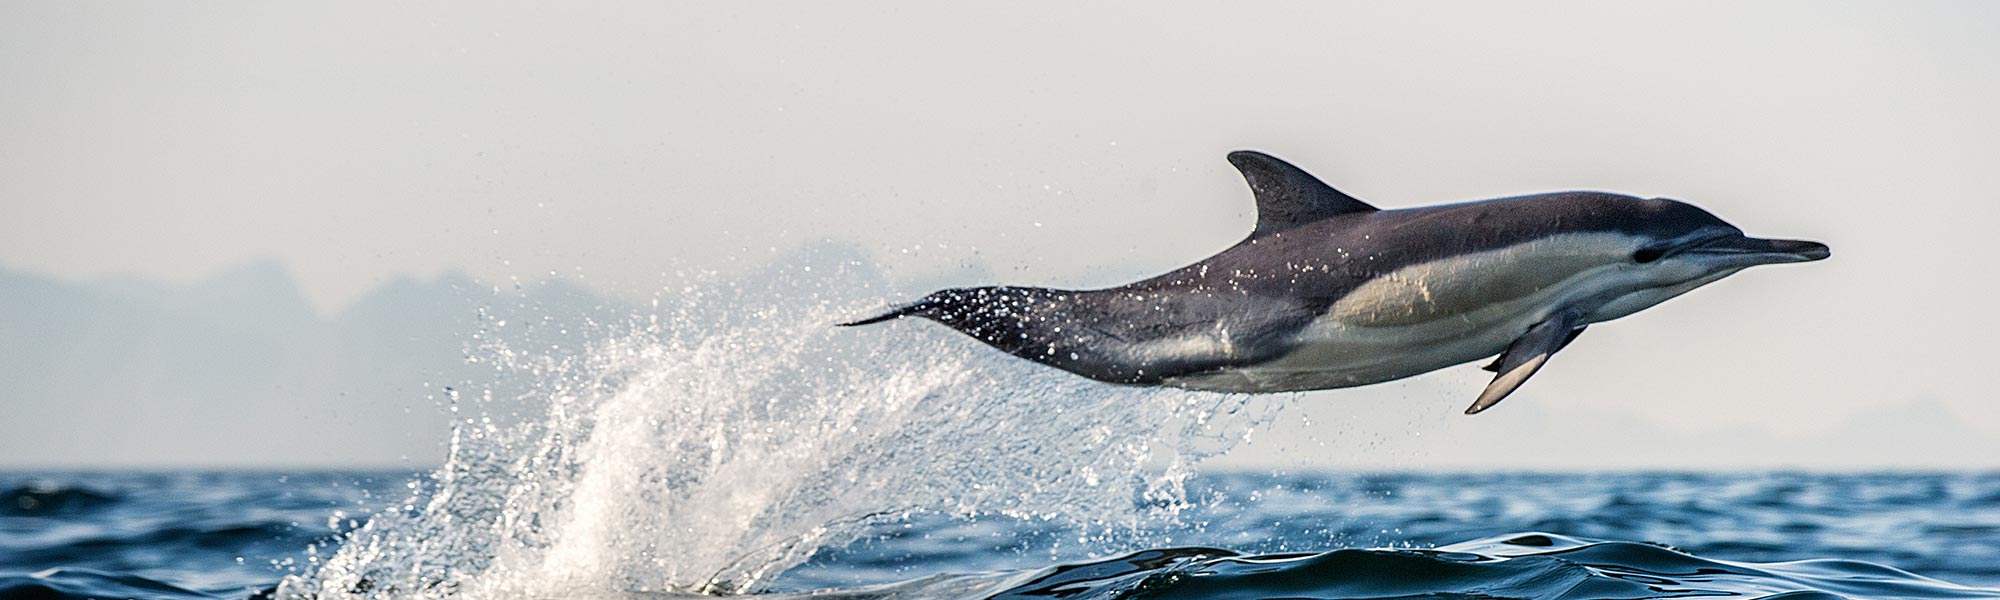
point(1331, 292)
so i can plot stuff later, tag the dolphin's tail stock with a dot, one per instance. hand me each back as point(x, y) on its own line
point(1031, 323)
point(903, 310)
point(978, 311)
point(1005, 316)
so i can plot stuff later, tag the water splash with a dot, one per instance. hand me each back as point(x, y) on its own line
point(732, 432)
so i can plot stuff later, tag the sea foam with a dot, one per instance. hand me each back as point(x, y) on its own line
point(724, 435)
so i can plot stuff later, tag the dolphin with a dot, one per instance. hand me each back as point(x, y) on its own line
point(1331, 292)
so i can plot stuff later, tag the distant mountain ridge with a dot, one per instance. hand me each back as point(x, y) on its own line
point(239, 370)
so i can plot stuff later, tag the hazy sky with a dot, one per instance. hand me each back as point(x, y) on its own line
point(1060, 145)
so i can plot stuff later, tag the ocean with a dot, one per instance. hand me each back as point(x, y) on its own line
point(182, 535)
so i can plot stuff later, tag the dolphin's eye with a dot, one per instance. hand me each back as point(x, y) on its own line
point(1648, 254)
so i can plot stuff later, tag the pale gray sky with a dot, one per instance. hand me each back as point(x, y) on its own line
point(1060, 145)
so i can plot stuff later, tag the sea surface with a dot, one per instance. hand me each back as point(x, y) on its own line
point(179, 535)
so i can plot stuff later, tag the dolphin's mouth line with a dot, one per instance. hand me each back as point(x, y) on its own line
point(1738, 245)
point(1719, 246)
point(1705, 245)
point(1711, 245)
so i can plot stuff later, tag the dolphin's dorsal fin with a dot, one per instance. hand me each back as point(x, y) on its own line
point(1287, 196)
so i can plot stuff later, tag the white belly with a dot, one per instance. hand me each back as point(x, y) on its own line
point(1438, 314)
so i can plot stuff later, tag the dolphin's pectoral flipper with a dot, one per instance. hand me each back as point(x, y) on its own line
point(1287, 196)
point(1494, 366)
point(1526, 355)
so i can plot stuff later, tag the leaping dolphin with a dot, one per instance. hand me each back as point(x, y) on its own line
point(1331, 292)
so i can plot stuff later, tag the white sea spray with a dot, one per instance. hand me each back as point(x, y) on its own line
point(730, 432)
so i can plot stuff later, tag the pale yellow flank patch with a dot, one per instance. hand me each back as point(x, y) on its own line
point(1463, 285)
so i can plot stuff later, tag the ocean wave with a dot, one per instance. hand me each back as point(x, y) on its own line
point(1538, 566)
point(1526, 565)
point(41, 499)
point(79, 584)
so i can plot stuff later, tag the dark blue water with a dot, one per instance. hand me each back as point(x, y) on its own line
point(1624, 535)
